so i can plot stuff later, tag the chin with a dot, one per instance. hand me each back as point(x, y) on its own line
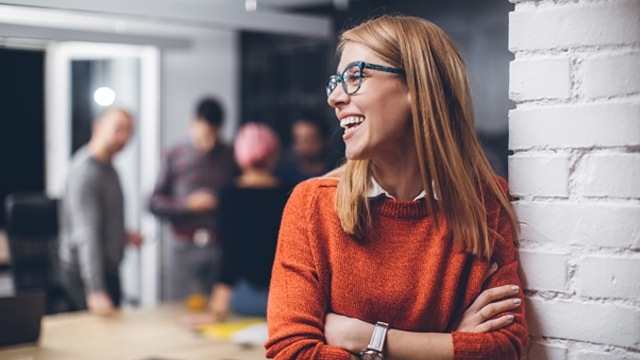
point(354, 156)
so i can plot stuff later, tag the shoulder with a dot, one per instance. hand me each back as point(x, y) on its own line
point(316, 185)
point(314, 193)
point(176, 151)
point(84, 166)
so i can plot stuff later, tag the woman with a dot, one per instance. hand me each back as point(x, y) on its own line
point(249, 218)
point(387, 256)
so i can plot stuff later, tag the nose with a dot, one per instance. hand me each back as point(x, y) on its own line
point(338, 96)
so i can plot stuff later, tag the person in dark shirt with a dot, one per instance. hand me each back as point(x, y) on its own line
point(310, 155)
point(186, 194)
point(249, 214)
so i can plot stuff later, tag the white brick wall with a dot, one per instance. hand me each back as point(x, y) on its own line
point(611, 75)
point(566, 225)
point(530, 79)
point(552, 270)
point(542, 175)
point(576, 125)
point(575, 172)
point(609, 277)
point(594, 322)
point(548, 24)
point(541, 351)
point(604, 178)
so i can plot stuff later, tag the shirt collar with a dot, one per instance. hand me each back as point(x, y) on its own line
point(377, 190)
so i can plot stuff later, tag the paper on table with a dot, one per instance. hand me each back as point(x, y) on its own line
point(252, 335)
point(225, 331)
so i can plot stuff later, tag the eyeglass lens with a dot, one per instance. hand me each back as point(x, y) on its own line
point(351, 78)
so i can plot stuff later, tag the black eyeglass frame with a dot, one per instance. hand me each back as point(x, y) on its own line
point(334, 80)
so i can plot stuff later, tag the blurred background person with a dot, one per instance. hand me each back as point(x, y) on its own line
point(310, 155)
point(92, 222)
point(186, 194)
point(249, 215)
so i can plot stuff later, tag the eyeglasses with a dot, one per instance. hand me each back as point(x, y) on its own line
point(351, 77)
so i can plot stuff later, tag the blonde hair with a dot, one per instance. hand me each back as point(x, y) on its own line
point(452, 163)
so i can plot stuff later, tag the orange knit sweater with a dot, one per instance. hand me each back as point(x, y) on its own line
point(406, 274)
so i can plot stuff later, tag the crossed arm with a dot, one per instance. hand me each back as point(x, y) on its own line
point(354, 335)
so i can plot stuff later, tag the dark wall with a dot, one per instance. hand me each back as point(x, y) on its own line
point(283, 78)
point(21, 123)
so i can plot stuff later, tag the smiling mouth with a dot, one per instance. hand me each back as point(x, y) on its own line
point(351, 123)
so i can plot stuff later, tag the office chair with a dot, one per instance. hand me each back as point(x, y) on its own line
point(32, 234)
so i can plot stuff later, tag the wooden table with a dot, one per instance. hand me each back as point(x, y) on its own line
point(132, 334)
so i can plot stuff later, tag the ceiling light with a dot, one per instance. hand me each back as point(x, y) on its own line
point(104, 96)
point(250, 5)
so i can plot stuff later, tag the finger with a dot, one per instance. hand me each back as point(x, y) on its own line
point(496, 308)
point(495, 324)
point(490, 295)
point(490, 271)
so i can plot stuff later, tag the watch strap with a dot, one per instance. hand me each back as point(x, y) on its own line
point(378, 336)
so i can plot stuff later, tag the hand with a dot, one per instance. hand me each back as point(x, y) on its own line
point(201, 201)
point(347, 333)
point(134, 238)
point(219, 303)
point(99, 303)
point(478, 317)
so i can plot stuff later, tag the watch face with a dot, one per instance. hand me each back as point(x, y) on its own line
point(371, 355)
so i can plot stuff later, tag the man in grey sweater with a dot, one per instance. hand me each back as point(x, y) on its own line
point(93, 232)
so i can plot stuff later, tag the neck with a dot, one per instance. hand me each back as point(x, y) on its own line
point(401, 179)
point(100, 153)
point(257, 178)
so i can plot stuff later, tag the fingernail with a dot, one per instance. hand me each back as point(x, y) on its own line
point(510, 317)
point(517, 301)
point(515, 288)
point(494, 265)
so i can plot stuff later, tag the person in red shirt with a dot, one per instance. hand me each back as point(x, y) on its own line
point(406, 251)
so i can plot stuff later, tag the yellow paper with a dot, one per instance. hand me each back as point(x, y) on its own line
point(224, 331)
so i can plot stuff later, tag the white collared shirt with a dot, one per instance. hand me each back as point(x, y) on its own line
point(377, 190)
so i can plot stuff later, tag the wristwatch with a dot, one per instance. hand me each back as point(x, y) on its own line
point(374, 350)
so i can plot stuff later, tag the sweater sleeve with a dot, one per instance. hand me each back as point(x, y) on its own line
point(85, 219)
point(297, 302)
point(508, 343)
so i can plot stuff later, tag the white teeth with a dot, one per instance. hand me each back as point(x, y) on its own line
point(351, 120)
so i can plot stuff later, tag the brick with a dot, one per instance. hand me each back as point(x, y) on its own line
point(613, 225)
point(544, 270)
point(614, 175)
point(585, 354)
point(612, 277)
point(539, 351)
point(540, 175)
point(575, 25)
point(612, 75)
point(592, 322)
point(535, 79)
point(575, 126)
